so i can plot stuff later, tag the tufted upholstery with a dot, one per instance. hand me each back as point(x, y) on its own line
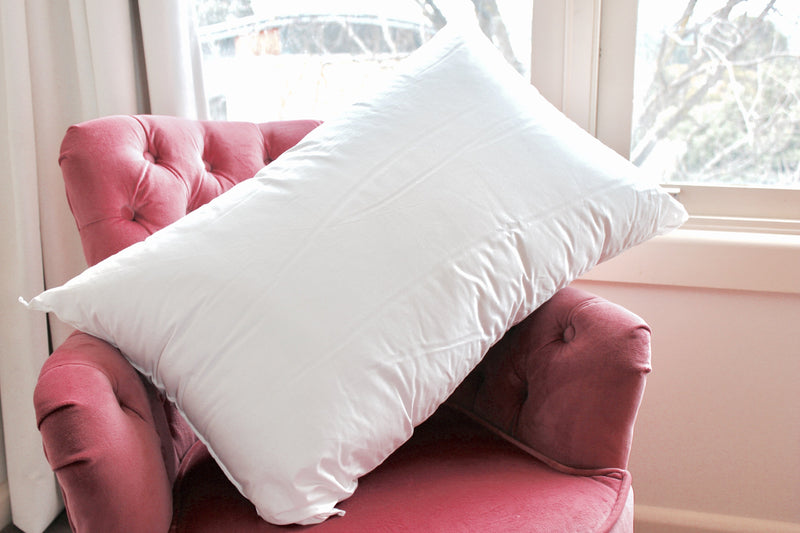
point(537, 438)
point(162, 168)
point(535, 383)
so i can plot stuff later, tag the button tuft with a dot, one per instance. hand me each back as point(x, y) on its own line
point(127, 212)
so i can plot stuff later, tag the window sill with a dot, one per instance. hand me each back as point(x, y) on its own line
point(737, 260)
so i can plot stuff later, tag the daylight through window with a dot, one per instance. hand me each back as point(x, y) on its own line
point(283, 59)
point(717, 92)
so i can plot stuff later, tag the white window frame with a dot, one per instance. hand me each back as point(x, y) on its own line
point(738, 238)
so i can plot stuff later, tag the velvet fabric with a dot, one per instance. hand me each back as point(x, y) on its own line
point(119, 198)
point(453, 476)
point(537, 392)
point(536, 439)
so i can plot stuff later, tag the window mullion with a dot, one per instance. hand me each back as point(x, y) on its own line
point(565, 56)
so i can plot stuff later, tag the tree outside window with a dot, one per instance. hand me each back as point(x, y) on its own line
point(718, 94)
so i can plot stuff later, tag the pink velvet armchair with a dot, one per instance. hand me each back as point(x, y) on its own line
point(537, 438)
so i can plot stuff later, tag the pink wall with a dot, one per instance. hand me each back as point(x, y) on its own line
point(719, 430)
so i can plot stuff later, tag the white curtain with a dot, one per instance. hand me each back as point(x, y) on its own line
point(174, 61)
point(61, 63)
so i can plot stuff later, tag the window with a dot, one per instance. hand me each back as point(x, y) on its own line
point(281, 59)
point(278, 59)
point(717, 92)
point(717, 108)
point(726, 138)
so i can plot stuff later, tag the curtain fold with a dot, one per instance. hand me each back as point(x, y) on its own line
point(173, 58)
point(24, 343)
point(61, 63)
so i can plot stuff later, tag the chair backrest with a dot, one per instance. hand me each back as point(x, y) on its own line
point(129, 176)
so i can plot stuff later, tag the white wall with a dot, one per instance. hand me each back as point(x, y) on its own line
point(717, 443)
point(5, 502)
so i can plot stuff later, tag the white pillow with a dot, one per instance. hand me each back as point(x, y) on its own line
point(306, 320)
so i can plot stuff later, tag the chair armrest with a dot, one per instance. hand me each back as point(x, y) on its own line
point(101, 440)
point(566, 382)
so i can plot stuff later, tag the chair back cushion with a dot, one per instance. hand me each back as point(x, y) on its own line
point(129, 176)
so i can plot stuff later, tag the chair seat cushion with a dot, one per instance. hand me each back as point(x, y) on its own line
point(454, 475)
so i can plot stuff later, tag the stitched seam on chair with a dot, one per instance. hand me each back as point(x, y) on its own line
point(148, 135)
point(74, 363)
point(40, 421)
point(57, 469)
point(112, 381)
point(582, 306)
point(106, 219)
point(552, 463)
point(177, 490)
point(267, 156)
point(619, 504)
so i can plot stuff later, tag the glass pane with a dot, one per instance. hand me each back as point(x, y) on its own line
point(282, 59)
point(717, 92)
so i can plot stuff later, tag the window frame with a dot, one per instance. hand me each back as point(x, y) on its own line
point(583, 62)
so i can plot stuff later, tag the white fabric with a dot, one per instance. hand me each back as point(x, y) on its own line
point(173, 59)
point(61, 63)
point(23, 338)
point(309, 318)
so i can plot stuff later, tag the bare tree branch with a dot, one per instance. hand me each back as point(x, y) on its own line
point(490, 20)
point(717, 62)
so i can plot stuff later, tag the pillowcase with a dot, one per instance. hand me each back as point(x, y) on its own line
point(307, 320)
